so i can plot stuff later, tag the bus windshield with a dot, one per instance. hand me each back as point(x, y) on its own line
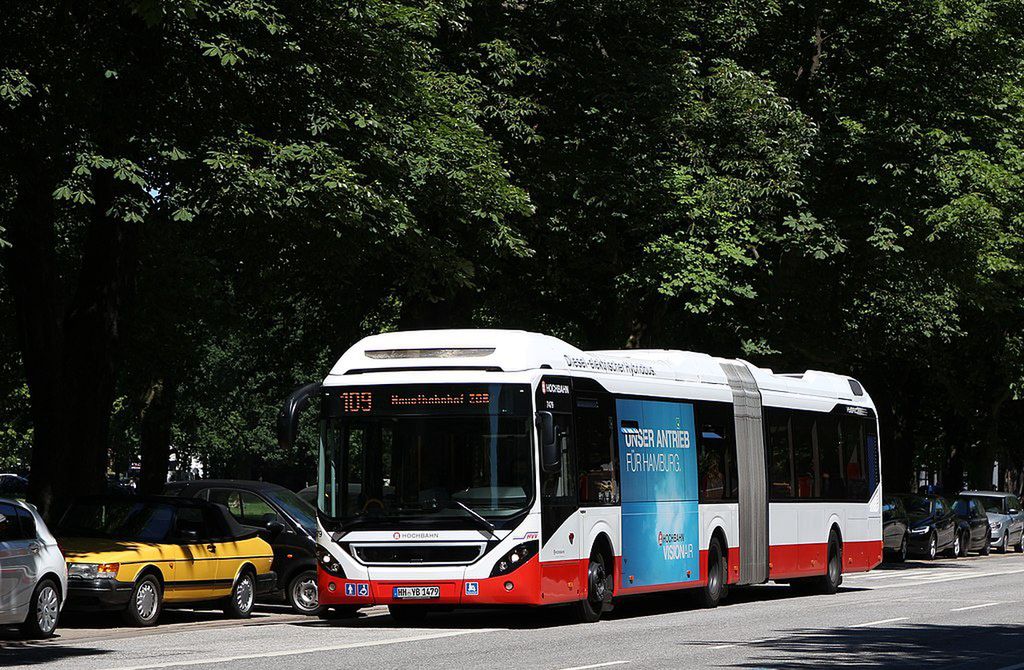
point(425, 465)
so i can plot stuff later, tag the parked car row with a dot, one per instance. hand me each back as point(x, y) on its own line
point(926, 525)
point(217, 544)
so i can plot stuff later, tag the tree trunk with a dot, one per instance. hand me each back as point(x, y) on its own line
point(31, 268)
point(69, 358)
point(155, 434)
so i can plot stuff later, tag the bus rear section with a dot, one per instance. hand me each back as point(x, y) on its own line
point(464, 468)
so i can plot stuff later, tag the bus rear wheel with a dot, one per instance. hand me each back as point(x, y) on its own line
point(711, 593)
point(599, 590)
point(833, 577)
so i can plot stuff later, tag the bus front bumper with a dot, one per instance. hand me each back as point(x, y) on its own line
point(520, 587)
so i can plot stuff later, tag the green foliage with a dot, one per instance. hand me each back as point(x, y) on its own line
point(805, 184)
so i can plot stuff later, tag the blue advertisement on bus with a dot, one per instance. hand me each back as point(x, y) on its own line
point(658, 464)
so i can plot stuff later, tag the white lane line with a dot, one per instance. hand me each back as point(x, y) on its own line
point(722, 646)
point(875, 623)
point(297, 652)
point(953, 578)
point(597, 665)
point(974, 607)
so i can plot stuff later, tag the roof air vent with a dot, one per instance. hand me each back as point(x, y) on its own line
point(388, 354)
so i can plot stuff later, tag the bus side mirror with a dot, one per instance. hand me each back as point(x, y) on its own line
point(288, 417)
point(551, 456)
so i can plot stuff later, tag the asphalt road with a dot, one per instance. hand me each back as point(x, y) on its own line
point(964, 613)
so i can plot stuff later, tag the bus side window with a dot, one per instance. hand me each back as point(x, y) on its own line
point(717, 475)
point(779, 454)
point(830, 471)
point(595, 447)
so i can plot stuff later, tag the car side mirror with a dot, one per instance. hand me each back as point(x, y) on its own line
point(1014, 510)
point(551, 455)
point(273, 529)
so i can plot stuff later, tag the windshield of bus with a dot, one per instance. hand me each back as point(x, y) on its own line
point(428, 455)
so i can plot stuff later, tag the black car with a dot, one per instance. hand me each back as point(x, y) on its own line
point(933, 525)
point(895, 528)
point(292, 525)
point(975, 534)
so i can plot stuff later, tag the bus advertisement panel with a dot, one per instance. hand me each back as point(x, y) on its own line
point(660, 523)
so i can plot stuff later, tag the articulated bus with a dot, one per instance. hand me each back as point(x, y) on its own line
point(490, 467)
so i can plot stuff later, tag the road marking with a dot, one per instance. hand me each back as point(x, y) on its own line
point(297, 652)
point(875, 623)
point(597, 665)
point(974, 607)
point(952, 578)
point(723, 646)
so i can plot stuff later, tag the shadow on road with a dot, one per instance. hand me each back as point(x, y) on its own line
point(523, 618)
point(20, 652)
point(907, 646)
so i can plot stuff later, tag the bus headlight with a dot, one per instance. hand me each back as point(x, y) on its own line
point(329, 564)
point(516, 556)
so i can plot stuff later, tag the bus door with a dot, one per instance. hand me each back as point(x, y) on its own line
point(560, 520)
point(753, 477)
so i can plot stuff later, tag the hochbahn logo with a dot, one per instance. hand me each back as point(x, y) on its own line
point(673, 546)
point(548, 387)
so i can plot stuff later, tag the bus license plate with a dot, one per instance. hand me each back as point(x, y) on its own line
point(416, 592)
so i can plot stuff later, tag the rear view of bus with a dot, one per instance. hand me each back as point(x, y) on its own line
point(487, 467)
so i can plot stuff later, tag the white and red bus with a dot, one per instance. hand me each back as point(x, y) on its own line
point(490, 467)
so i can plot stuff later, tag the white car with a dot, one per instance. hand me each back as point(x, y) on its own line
point(33, 575)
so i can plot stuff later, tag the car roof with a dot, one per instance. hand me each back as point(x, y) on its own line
point(251, 485)
point(174, 501)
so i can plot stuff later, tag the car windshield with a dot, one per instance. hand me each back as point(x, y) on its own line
point(297, 508)
point(961, 506)
point(917, 506)
point(118, 520)
point(993, 504)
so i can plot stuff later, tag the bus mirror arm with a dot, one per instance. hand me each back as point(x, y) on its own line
point(288, 417)
point(551, 456)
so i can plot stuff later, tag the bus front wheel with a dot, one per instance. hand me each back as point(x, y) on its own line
point(599, 590)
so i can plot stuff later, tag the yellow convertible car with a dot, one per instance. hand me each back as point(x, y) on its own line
point(136, 553)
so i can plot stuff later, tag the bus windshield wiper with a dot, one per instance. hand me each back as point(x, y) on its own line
point(484, 523)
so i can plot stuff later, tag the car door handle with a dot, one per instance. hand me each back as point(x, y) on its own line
point(212, 548)
point(34, 548)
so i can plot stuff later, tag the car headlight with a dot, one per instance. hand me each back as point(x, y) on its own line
point(920, 531)
point(996, 525)
point(516, 556)
point(93, 570)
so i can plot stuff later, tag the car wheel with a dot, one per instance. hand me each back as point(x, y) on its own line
point(1019, 547)
point(933, 546)
point(901, 555)
point(43, 612)
point(986, 548)
point(302, 593)
point(1004, 543)
point(711, 594)
point(243, 596)
point(599, 590)
point(145, 602)
point(965, 541)
point(408, 614)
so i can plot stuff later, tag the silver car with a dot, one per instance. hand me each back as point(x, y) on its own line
point(1005, 518)
point(33, 575)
